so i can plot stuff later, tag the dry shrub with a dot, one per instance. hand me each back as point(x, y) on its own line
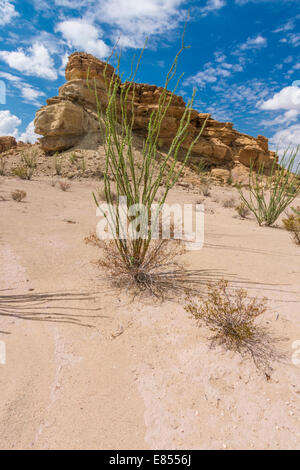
point(206, 189)
point(159, 276)
point(292, 225)
point(229, 203)
point(242, 210)
point(18, 195)
point(21, 172)
point(3, 161)
point(231, 316)
point(64, 186)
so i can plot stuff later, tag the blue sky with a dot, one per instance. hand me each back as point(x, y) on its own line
point(243, 61)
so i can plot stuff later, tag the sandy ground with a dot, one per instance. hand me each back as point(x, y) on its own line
point(94, 370)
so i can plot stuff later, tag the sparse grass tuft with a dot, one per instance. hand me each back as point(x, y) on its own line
point(205, 188)
point(3, 161)
point(292, 225)
point(20, 172)
point(73, 158)
point(229, 203)
point(18, 195)
point(270, 195)
point(57, 164)
point(231, 316)
point(242, 210)
point(26, 171)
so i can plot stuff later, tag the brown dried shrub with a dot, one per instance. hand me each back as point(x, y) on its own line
point(231, 316)
point(18, 195)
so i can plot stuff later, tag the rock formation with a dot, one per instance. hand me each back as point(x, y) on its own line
point(71, 117)
point(6, 143)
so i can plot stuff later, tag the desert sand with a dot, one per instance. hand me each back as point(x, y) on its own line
point(94, 370)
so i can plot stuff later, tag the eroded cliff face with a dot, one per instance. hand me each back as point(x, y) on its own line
point(71, 116)
point(7, 143)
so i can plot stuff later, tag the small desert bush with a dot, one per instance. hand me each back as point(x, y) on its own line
point(231, 316)
point(292, 225)
point(26, 171)
point(73, 158)
point(205, 188)
point(21, 172)
point(57, 163)
point(64, 186)
point(270, 195)
point(29, 159)
point(18, 195)
point(159, 275)
point(242, 210)
point(3, 162)
point(229, 203)
point(229, 180)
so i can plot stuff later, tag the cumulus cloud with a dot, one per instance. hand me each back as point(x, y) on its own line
point(9, 124)
point(82, 35)
point(287, 99)
point(8, 12)
point(289, 137)
point(29, 135)
point(31, 95)
point(285, 118)
point(35, 61)
point(133, 20)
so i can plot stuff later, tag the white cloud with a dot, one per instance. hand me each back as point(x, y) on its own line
point(8, 12)
point(212, 73)
point(288, 99)
point(82, 35)
point(288, 26)
point(292, 38)
point(213, 5)
point(9, 124)
point(29, 135)
point(254, 43)
point(133, 20)
point(28, 92)
point(285, 118)
point(31, 95)
point(64, 61)
point(289, 137)
point(35, 61)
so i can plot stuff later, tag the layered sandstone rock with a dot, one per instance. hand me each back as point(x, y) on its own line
point(71, 117)
point(7, 143)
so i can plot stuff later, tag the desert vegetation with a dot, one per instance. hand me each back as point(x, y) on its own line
point(232, 315)
point(144, 183)
point(270, 195)
point(292, 224)
point(18, 195)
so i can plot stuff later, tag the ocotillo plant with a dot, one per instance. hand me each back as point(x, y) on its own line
point(270, 195)
point(141, 184)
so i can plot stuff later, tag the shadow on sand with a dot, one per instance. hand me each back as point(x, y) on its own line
point(52, 307)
